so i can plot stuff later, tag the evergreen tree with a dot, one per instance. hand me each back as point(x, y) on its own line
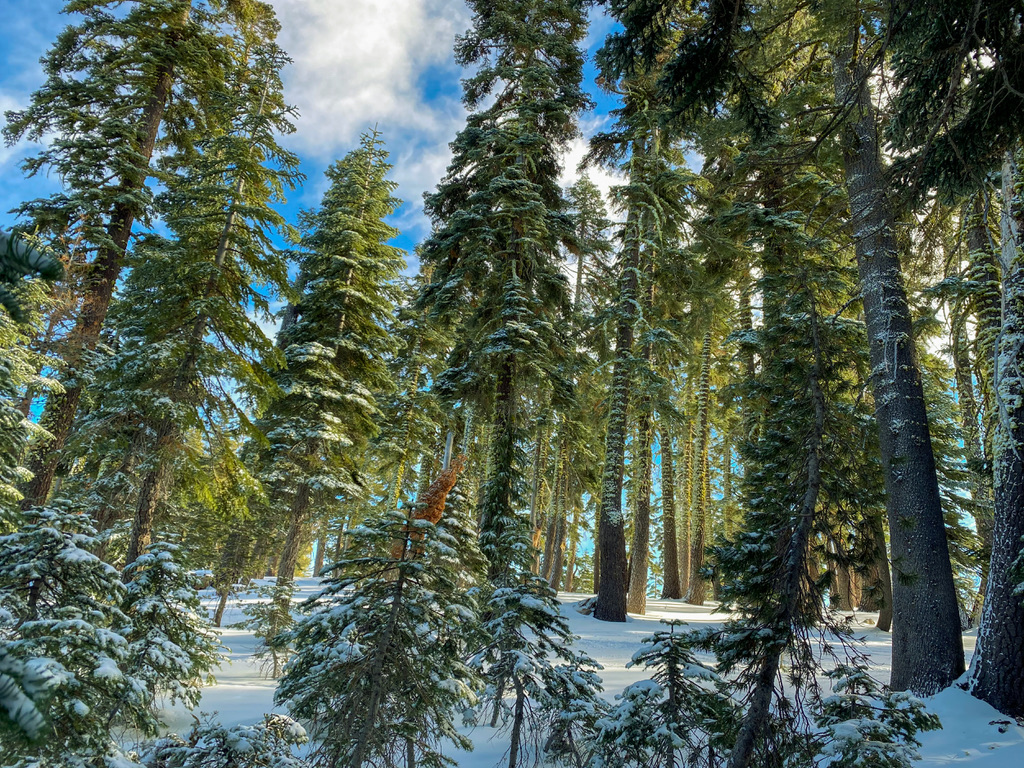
point(110, 77)
point(269, 743)
point(499, 220)
point(682, 714)
point(65, 672)
point(335, 347)
point(379, 671)
point(527, 657)
point(171, 648)
point(186, 318)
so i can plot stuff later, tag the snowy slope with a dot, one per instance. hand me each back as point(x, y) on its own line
point(973, 733)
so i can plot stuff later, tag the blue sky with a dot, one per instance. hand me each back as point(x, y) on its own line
point(356, 63)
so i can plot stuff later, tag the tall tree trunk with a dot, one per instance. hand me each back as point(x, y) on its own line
point(927, 645)
point(611, 595)
point(876, 594)
point(997, 671)
point(296, 537)
point(151, 492)
point(98, 288)
point(701, 519)
point(540, 451)
point(686, 516)
point(639, 551)
point(979, 480)
point(321, 552)
point(496, 496)
point(671, 589)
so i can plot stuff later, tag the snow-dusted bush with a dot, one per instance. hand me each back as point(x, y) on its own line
point(681, 715)
point(267, 744)
point(62, 652)
point(539, 689)
point(869, 725)
point(378, 672)
point(171, 645)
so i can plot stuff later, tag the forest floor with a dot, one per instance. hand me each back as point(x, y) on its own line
point(973, 733)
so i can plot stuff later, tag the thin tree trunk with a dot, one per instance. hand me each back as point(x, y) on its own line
point(701, 519)
point(997, 674)
point(927, 645)
point(685, 538)
point(296, 536)
point(671, 589)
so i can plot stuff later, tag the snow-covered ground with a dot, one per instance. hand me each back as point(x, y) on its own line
point(973, 733)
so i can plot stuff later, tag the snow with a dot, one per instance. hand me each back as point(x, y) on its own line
point(973, 734)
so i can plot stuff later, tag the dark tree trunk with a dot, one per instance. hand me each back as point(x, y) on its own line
point(611, 593)
point(997, 674)
point(672, 590)
point(686, 513)
point(296, 537)
point(639, 551)
point(151, 492)
point(927, 646)
point(496, 501)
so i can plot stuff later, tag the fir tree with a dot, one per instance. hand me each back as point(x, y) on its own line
point(335, 348)
point(379, 671)
point(171, 648)
point(682, 714)
point(64, 662)
point(108, 95)
point(269, 743)
point(499, 220)
point(544, 693)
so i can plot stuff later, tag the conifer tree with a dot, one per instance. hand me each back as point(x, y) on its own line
point(499, 220)
point(335, 348)
point(379, 671)
point(108, 94)
point(185, 317)
point(64, 660)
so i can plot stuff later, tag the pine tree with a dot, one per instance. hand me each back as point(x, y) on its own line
point(108, 94)
point(171, 648)
point(335, 348)
point(499, 220)
point(269, 742)
point(185, 317)
point(379, 671)
point(64, 662)
point(552, 689)
point(683, 714)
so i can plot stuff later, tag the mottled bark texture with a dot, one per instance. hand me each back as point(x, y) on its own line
point(700, 527)
point(927, 646)
point(997, 673)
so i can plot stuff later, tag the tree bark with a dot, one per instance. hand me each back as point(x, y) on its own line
point(639, 551)
point(671, 589)
point(997, 670)
point(927, 645)
point(611, 594)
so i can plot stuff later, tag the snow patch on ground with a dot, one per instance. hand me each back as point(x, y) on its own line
point(973, 733)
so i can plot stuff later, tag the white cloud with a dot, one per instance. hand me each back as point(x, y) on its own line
point(360, 63)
